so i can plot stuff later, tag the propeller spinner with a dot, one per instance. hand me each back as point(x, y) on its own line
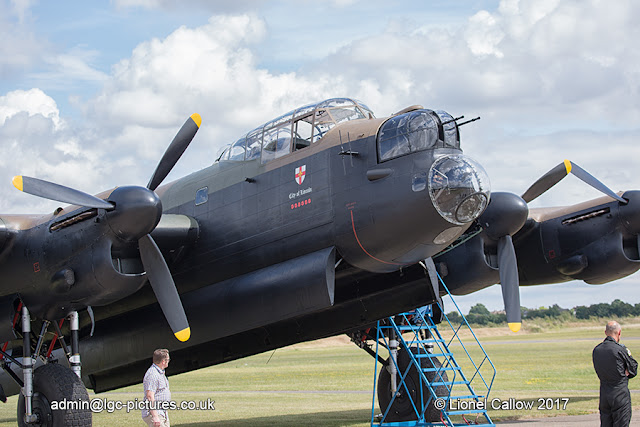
point(134, 204)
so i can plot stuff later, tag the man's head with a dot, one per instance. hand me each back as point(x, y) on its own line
point(613, 330)
point(161, 357)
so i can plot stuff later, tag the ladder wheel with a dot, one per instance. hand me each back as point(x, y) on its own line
point(402, 408)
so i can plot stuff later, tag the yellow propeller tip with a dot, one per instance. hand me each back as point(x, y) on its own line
point(17, 182)
point(567, 166)
point(197, 119)
point(184, 334)
point(515, 327)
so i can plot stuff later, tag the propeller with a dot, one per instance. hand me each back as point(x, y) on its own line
point(163, 287)
point(59, 193)
point(509, 281)
point(556, 174)
point(505, 215)
point(173, 153)
point(134, 215)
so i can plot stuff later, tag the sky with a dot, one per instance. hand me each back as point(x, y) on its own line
point(91, 93)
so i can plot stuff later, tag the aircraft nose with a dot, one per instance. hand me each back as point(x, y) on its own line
point(459, 188)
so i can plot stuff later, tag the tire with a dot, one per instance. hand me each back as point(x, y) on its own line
point(402, 409)
point(54, 382)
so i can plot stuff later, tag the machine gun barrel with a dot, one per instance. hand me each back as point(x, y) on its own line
point(468, 121)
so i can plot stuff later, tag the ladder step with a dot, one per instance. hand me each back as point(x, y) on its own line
point(469, 396)
point(437, 383)
point(430, 355)
point(452, 368)
point(469, 411)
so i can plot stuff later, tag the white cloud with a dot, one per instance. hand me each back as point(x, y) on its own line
point(33, 101)
point(189, 67)
point(36, 141)
point(483, 35)
point(211, 70)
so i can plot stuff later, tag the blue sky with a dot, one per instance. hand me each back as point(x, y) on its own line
point(92, 92)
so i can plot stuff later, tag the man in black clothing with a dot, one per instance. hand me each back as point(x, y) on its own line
point(614, 365)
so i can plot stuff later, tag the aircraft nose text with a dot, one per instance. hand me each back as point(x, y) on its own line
point(459, 188)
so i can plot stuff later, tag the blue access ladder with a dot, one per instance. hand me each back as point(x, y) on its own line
point(430, 383)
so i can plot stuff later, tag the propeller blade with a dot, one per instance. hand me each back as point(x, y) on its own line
point(592, 181)
point(556, 174)
point(59, 193)
point(545, 182)
point(174, 151)
point(509, 281)
point(164, 287)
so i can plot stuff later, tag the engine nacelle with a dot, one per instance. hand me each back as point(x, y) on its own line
point(471, 266)
point(597, 245)
point(596, 242)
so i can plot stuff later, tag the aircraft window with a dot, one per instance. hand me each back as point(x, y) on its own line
point(254, 144)
point(279, 121)
point(302, 131)
point(223, 153)
point(304, 111)
point(321, 129)
point(202, 196)
point(406, 133)
point(322, 124)
point(276, 143)
point(295, 130)
point(345, 114)
point(366, 110)
point(284, 140)
point(237, 150)
point(335, 102)
point(451, 133)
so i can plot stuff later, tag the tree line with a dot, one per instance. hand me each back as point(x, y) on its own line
point(480, 315)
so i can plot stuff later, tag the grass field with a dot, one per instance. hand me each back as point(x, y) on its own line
point(330, 382)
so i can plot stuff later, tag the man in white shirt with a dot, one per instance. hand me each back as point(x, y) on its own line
point(156, 390)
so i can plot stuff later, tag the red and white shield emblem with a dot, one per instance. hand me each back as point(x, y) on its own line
point(300, 174)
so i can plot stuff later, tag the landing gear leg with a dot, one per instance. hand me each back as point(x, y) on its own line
point(51, 383)
point(74, 360)
point(393, 360)
point(27, 370)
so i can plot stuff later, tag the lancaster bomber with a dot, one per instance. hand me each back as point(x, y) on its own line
point(317, 223)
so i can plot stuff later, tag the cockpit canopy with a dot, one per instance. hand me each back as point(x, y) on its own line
point(295, 130)
point(417, 130)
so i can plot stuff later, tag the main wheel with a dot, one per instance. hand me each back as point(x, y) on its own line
point(56, 383)
point(402, 408)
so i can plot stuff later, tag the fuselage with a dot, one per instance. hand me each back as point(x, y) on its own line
point(351, 193)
